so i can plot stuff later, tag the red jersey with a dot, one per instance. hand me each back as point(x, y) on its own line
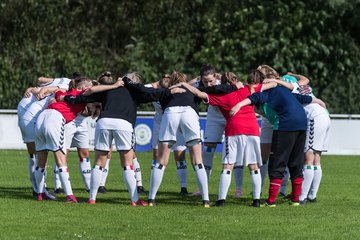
point(69, 111)
point(243, 122)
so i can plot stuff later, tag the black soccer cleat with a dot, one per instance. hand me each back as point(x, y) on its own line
point(59, 191)
point(141, 190)
point(256, 203)
point(184, 191)
point(102, 189)
point(220, 203)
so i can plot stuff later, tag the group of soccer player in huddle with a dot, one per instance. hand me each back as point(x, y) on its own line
point(294, 132)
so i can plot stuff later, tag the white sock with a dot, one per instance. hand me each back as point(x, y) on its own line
point(182, 172)
point(65, 180)
point(285, 181)
point(307, 180)
point(57, 182)
point(31, 169)
point(316, 182)
point(105, 173)
point(208, 156)
point(85, 171)
point(137, 170)
point(224, 184)
point(129, 178)
point(255, 177)
point(95, 179)
point(264, 172)
point(202, 182)
point(157, 174)
point(239, 177)
point(40, 179)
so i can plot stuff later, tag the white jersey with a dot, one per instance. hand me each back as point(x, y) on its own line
point(312, 109)
point(58, 82)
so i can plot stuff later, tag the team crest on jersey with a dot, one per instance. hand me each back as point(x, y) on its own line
point(143, 134)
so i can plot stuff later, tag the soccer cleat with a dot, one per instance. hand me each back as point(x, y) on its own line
point(184, 191)
point(220, 203)
point(303, 202)
point(294, 204)
point(141, 190)
point(151, 202)
point(139, 203)
point(71, 199)
point(35, 194)
point(102, 189)
point(238, 193)
point(206, 204)
point(91, 202)
point(266, 204)
point(43, 196)
point(311, 200)
point(48, 195)
point(59, 191)
point(256, 203)
point(196, 193)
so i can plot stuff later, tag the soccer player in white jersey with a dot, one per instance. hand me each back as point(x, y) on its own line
point(317, 137)
point(28, 114)
point(214, 131)
point(50, 136)
point(180, 114)
point(77, 135)
point(178, 148)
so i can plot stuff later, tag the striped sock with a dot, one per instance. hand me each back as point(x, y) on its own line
point(239, 176)
point(85, 171)
point(224, 184)
point(157, 174)
point(95, 180)
point(137, 170)
point(182, 172)
point(65, 180)
point(274, 187)
point(308, 179)
point(208, 157)
point(255, 178)
point(40, 179)
point(57, 182)
point(31, 170)
point(105, 173)
point(129, 178)
point(202, 181)
point(316, 182)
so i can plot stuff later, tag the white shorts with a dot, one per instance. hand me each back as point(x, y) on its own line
point(317, 134)
point(179, 119)
point(266, 131)
point(27, 129)
point(214, 133)
point(77, 133)
point(238, 148)
point(214, 126)
point(180, 142)
point(50, 131)
point(124, 140)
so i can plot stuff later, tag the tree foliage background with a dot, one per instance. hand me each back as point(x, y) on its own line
point(319, 39)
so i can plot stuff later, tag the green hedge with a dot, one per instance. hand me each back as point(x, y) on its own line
point(55, 38)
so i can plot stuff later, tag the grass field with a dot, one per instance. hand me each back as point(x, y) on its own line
point(335, 216)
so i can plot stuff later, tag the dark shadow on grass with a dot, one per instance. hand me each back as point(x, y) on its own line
point(16, 192)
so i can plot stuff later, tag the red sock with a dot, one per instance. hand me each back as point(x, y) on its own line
point(275, 184)
point(296, 188)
